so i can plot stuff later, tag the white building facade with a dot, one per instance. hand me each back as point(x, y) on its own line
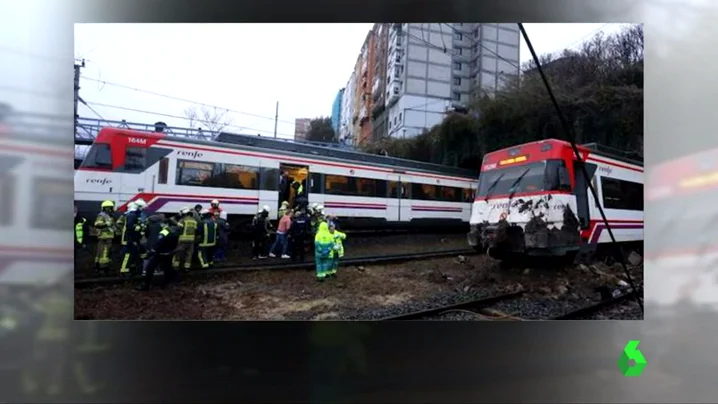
point(432, 68)
point(345, 124)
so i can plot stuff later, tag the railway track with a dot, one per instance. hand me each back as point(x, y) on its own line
point(480, 309)
point(254, 267)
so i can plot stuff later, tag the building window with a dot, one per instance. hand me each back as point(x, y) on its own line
point(476, 33)
point(457, 65)
point(400, 117)
point(457, 81)
point(458, 36)
point(458, 51)
point(456, 96)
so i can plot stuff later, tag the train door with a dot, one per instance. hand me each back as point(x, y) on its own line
point(293, 182)
point(398, 208)
point(582, 192)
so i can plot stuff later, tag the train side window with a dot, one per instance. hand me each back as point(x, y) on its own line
point(98, 156)
point(365, 187)
point(450, 194)
point(135, 159)
point(163, 171)
point(239, 177)
point(337, 185)
point(194, 173)
point(7, 199)
point(424, 192)
point(621, 194)
point(380, 188)
point(316, 182)
point(269, 179)
point(468, 195)
point(393, 187)
point(45, 213)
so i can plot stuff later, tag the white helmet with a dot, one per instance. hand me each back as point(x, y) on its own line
point(214, 202)
point(320, 208)
point(184, 211)
point(265, 208)
point(315, 205)
point(223, 215)
point(260, 211)
point(204, 212)
point(141, 204)
point(132, 206)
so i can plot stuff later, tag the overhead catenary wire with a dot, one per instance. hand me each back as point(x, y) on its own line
point(141, 111)
point(171, 97)
point(571, 139)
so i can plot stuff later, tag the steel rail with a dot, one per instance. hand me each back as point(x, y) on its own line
point(471, 304)
point(255, 267)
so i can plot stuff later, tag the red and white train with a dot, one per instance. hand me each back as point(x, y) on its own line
point(242, 172)
point(681, 251)
point(533, 199)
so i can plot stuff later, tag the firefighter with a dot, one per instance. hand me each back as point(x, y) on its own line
point(260, 232)
point(298, 234)
point(214, 209)
point(162, 241)
point(207, 236)
point(104, 223)
point(338, 253)
point(80, 235)
point(323, 251)
point(131, 236)
point(222, 236)
point(143, 217)
point(187, 234)
point(195, 213)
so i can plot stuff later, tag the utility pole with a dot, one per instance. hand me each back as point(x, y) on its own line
point(77, 92)
point(276, 119)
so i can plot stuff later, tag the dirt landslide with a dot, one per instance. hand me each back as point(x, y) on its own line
point(357, 293)
point(358, 246)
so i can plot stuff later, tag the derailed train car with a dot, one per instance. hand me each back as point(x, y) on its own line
point(533, 200)
point(365, 190)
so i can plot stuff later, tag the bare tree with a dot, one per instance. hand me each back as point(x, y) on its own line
point(209, 119)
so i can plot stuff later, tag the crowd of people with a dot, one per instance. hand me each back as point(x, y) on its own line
point(155, 243)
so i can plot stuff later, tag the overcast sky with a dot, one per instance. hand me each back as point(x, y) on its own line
point(244, 68)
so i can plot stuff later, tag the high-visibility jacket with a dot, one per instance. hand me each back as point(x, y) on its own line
point(188, 229)
point(132, 230)
point(207, 233)
point(80, 229)
point(339, 237)
point(104, 223)
point(324, 242)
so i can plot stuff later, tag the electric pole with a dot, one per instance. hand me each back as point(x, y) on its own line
point(77, 91)
point(276, 119)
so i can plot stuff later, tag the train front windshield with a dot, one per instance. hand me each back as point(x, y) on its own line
point(532, 177)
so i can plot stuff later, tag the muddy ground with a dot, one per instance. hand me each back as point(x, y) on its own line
point(357, 293)
point(359, 246)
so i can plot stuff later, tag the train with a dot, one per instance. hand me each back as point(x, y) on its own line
point(533, 201)
point(35, 182)
point(681, 253)
point(366, 191)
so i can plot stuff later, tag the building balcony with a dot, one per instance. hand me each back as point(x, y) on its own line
point(363, 113)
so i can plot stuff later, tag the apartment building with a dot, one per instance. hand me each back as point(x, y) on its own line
point(301, 128)
point(346, 127)
point(356, 101)
point(379, 113)
point(364, 88)
point(337, 111)
point(434, 67)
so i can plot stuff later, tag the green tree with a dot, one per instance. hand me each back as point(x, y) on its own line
point(599, 89)
point(321, 130)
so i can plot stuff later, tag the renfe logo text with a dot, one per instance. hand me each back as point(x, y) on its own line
point(193, 154)
point(99, 181)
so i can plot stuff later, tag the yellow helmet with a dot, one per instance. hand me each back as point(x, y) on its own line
point(108, 204)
